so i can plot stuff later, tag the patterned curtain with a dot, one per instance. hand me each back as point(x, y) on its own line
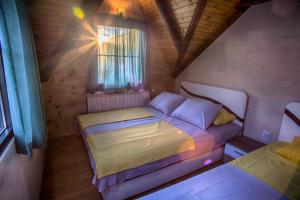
point(121, 59)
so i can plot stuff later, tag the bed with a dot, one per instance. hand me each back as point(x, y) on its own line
point(208, 143)
point(262, 174)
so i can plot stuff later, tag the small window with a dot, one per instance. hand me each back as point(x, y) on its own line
point(4, 109)
point(121, 58)
point(6, 133)
point(2, 115)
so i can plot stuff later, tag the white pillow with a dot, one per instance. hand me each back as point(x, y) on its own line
point(198, 113)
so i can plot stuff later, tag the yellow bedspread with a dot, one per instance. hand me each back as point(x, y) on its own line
point(128, 148)
point(274, 170)
point(88, 120)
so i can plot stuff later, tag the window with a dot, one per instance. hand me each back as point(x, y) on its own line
point(121, 58)
point(2, 115)
point(4, 120)
point(5, 123)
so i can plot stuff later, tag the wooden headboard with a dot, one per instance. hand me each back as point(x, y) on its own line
point(233, 101)
point(290, 126)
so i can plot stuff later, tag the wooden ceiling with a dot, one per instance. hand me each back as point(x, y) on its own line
point(183, 28)
point(131, 7)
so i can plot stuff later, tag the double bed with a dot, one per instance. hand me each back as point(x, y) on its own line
point(151, 170)
point(263, 174)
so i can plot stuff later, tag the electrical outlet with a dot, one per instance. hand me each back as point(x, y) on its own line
point(266, 137)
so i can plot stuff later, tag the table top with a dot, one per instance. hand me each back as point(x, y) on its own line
point(245, 143)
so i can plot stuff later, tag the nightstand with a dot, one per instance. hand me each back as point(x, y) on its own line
point(239, 147)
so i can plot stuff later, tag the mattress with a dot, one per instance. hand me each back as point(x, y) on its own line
point(225, 182)
point(205, 141)
point(260, 175)
point(132, 147)
point(125, 124)
point(272, 169)
point(93, 119)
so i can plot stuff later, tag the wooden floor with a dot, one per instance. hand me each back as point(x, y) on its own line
point(68, 174)
point(67, 171)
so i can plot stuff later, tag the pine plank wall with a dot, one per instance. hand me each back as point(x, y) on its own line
point(64, 93)
point(65, 88)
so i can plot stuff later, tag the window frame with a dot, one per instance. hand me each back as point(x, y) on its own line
point(98, 53)
point(6, 135)
point(2, 114)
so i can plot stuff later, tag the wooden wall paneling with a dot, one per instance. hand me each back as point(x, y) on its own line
point(160, 74)
point(215, 20)
point(183, 13)
point(64, 92)
point(160, 30)
point(192, 26)
point(169, 20)
point(131, 8)
point(48, 21)
point(113, 20)
point(74, 28)
point(194, 22)
point(199, 8)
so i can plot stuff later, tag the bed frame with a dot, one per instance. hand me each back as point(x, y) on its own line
point(290, 126)
point(232, 100)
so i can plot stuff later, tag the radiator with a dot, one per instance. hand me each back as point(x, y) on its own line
point(107, 102)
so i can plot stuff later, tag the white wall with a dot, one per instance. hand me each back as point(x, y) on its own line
point(20, 178)
point(260, 54)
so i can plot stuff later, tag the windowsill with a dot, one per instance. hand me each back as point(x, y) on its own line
point(5, 138)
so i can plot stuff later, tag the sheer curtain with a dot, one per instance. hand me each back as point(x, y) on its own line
point(121, 58)
point(22, 77)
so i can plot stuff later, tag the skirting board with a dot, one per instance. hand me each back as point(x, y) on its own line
point(149, 181)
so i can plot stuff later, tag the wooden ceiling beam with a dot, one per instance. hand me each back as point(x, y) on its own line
point(199, 8)
point(248, 3)
point(169, 20)
point(194, 22)
point(186, 63)
point(89, 7)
